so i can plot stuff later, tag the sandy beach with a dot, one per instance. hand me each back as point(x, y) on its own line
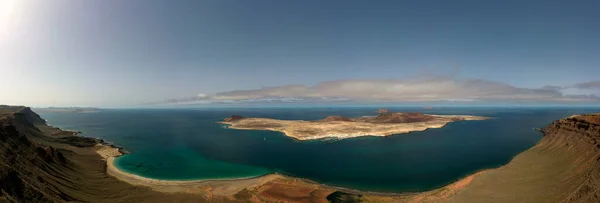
point(225, 187)
point(270, 187)
point(270, 183)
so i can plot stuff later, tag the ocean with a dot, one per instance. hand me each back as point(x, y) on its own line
point(188, 144)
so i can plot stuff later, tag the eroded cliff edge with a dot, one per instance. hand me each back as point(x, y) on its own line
point(41, 163)
point(564, 166)
point(579, 136)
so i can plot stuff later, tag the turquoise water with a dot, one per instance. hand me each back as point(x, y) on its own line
point(187, 144)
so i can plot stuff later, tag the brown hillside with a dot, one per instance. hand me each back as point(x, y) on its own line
point(336, 118)
point(410, 117)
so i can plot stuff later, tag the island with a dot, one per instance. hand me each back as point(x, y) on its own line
point(68, 110)
point(339, 127)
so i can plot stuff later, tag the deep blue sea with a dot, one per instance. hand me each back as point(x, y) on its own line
point(187, 144)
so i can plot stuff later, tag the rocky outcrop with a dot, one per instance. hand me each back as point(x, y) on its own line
point(580, 134)
point(27, 166)
point(389, 117)
point(27, 117)
point(564, 166)
point(336, 118)
point(233, 118)
point(576, 127)
point(36, 166)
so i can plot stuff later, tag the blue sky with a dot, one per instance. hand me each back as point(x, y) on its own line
point(126, 53)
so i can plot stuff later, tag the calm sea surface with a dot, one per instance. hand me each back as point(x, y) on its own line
point(187, 144)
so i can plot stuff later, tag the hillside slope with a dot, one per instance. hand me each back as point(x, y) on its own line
point(37, 164)
point(564, 166)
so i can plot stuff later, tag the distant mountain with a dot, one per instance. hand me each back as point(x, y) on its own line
point(67, 110)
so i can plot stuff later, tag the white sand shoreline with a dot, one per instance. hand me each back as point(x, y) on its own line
point(222, 186)
point(225, 186)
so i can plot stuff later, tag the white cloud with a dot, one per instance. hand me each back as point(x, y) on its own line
point(416, 90)
point(588, 85)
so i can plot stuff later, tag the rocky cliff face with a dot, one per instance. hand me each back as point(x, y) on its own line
point(26, 167)
point(40, 163)
point(233, 118)
point(579, 134)
point(27, 117)
point(564, 166)
point(574, 128)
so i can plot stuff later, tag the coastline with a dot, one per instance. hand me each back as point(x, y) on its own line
point(303, 130)
point(516, 180)
point(109, 153)
point(230, 186)
point(569, 147)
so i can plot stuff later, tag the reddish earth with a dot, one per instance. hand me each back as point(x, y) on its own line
point(336, 118)
point(285, 190)
point(594, 119)
point(234, 118)
point(410, 117)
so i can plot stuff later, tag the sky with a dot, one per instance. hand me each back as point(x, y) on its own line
point(116, 53)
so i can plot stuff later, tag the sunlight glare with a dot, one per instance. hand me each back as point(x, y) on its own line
point(7, 8)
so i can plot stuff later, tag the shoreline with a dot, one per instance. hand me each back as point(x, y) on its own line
point(476, 185)
point(225, 186)
point(317, 130)
point(230, 186)
point(110, 153)
point(567, 146)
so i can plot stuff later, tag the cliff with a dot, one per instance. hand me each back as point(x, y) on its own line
point(579, 135)
point(564, 166)
point(38, 166)
point(23, 115)
point(27, 168)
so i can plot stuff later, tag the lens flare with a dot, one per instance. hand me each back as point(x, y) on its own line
point(7, 8)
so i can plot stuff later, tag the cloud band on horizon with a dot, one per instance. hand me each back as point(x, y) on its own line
point(393, 90)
